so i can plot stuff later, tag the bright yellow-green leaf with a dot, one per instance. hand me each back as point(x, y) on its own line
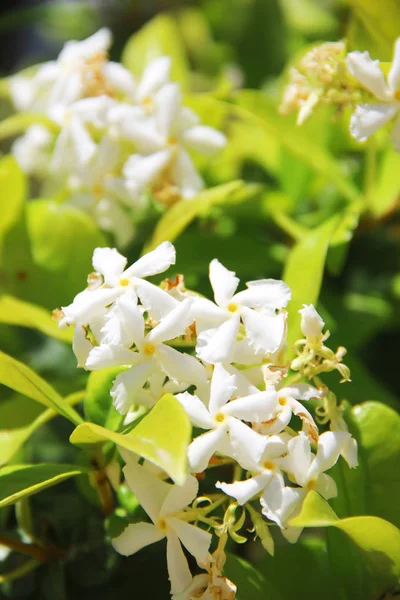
point(22, 379)
point(12, 194)
point(385, 195)
point(257, 107)
point(11, 439)
point(160, 37)
point(379, 29)
point(17, 124)
point(377, 538)
point(20, 481)
point(162, 437)
point(181, 214)
point(17, 312)
point(304, 271)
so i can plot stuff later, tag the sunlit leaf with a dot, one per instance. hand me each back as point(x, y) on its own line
point(20, 481)
point(385, 195)
point(379, 29)
point(98, 406)
point(17, 312)
point(22, 379)
point(160, 37)
point(12, 194)
point(161, 437)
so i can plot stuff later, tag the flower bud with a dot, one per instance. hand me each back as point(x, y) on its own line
point(311, 323)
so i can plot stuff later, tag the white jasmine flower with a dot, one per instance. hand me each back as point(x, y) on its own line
point(311, 322)
point(164, 504)
point(223, 420)
point(152, 354)
point(368, 118)
point(256, 307)
point(33, 150)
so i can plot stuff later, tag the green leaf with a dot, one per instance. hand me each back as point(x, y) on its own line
point(12, 193)
point(384, 197)
point(257, 107)
point(304, 271)
point(380, 27)
point(12, 438)
point(22, 379)
point(160, 37)
point(378, 539)
point(162, 437)
point(20, 481)
point(17, 124)
point(17, 312)
point(251, 582)
point(98, 406)
point(181, 214)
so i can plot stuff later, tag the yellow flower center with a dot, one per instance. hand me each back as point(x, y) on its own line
point(268, 465)
point(282, 401)
point(162, 524)
point(311, 485)
point(147, 104)
point(149, 349)
point(172, 140)
point(232, 307)
point(220, 418)
point(124, 281)
point(397, 95)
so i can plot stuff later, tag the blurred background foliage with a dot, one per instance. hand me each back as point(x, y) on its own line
point(296, 181)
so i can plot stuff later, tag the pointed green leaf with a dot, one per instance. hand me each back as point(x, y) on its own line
point(160, 37)
point(181, 214)
point(385, 195)
point(162, 437)
point(304, 271)
point(256, 106)
point(14, 311)
point(12, 194)
point(20, 481)
point(22, 379)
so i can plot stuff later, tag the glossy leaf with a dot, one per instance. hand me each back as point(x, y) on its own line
point(14, 311)
point(12, 194)
point(304, 272)
point(180, 215)
point(161, 437)
point(20, 481)
point(379, 29)
point(251, 582)
point(253, 105)
point(22, 379)
point(384, 197)
point(160, 37)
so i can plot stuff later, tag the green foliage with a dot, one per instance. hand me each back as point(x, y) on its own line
point(375, 27)
point(12, 192)
point(161, 437)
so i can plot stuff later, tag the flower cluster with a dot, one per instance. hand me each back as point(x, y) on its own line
point(117, 140)
point(244, 400)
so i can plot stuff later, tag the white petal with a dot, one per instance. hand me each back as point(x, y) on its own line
point(146, 139)
point(104, 356)
point(300, 391)
point(299, 458)
point(265, 332)
point(144, 170)
point(244, 491)
point(174, 324)
point(124, 323)
point(97, 43)
point(88, 305)
point(205, 140)
point(185, 175)
point(248, 445)
point(280, 502)
point(244, 354)
point(266, 293)
point(148, 489)
point(155, 75)
point(311, 322)
point(179, 497)
point(109, 263)
point(207, 314)
point(394, 73)
point(368, 118)
point(255, 408)
point(196, 411)
point(111, 217)
point(368, 72)
point(203, 447)
point(195, 540)
point(326, 486)
point(244, 387)
point(81, 345)
point(350, 453)
point(154, 262)
point(158, 302)
point(127, 385)
point(119, 78)
point(135, 537)
point(224, 283)
point(216, 345)
point(223, 385)
point(178, 570)
point(183, 368)
point(278, 422)
point(330, 445)
point(168, 103)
